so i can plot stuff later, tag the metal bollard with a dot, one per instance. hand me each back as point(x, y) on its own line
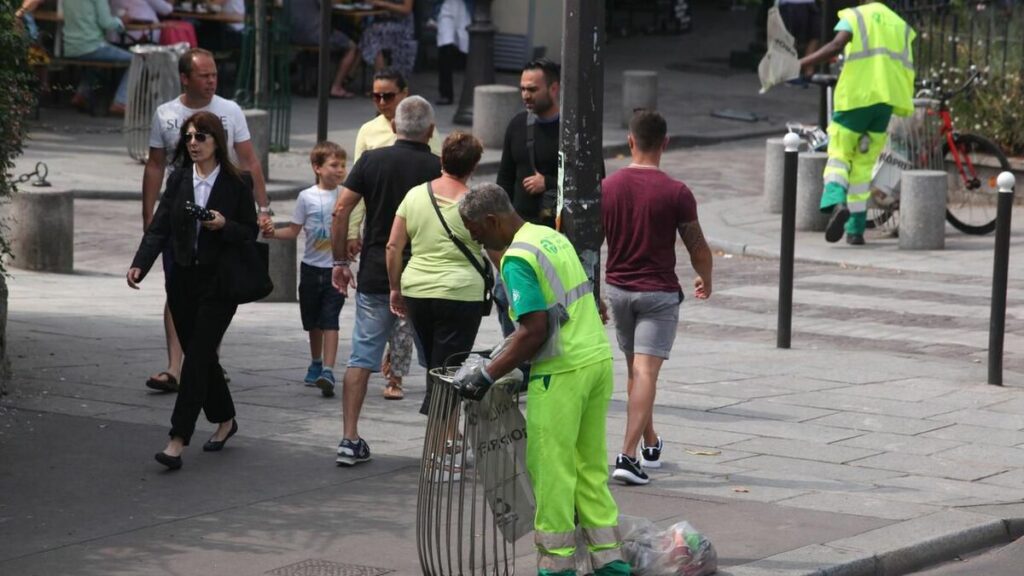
point(997, 317)
point(785, 326)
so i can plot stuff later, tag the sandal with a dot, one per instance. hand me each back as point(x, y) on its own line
point(393, 391)
point(168, 384)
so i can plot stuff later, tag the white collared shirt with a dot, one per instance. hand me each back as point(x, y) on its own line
point(202, 188)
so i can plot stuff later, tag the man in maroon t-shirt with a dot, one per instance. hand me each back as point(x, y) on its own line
point(643, 209)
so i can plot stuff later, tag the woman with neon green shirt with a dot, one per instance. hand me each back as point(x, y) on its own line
point(439, 290)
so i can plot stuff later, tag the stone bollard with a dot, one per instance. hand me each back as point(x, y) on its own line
point(809, 186)
point(42, 226)
point(259, 131)
point(923, 210)
point(494, 105)
point(774, 159)
point(639, 90)
point(283, 263)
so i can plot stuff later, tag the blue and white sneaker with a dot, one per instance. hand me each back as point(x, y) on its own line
point(650, 456)
point(326, 383)
point(313, 372)
point(352, 452)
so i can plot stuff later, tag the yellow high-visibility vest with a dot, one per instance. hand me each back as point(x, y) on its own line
point(879, 67)
point(576, 336)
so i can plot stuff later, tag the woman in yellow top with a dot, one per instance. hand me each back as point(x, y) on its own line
point(439, 289)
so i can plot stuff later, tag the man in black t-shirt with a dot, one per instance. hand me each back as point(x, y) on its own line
point(381, 177)
point(526, 176)
point(529, 175)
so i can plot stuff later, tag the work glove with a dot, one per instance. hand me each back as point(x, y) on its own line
point(474, 383)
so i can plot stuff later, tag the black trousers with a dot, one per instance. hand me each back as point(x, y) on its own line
point(444, 328)
point(449, 57)
point(201, 321)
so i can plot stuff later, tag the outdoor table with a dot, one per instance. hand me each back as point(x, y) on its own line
point(209, 17)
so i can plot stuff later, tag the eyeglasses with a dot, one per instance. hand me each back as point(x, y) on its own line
point(384, 96)
point(199, 137)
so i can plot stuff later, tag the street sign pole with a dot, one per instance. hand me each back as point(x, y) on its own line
point(580, 162)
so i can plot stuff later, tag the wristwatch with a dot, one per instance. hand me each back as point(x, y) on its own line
point(265, 210)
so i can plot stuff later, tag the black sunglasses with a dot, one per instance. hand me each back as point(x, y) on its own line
point(384, 96)
point(199, 137)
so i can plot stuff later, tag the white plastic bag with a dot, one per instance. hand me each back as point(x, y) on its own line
point(781, 62)
point(679, 550)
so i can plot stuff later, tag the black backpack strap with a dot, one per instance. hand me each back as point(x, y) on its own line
point(531, 122)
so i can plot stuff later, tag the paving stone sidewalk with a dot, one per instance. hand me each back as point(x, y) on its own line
point(790, 460)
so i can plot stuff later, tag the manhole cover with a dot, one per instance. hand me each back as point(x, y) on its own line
point(327, 568)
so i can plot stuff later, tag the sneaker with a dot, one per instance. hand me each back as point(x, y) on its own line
point(313, 372)
point(461, 454)
point(444, 469)
point(855, 239)
point(628, 471)
point(352, 452)
point(326, 383)
point(650, 455)
point(834, 230)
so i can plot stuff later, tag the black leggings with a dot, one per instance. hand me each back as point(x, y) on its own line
point(201, 321)
point(444, 328)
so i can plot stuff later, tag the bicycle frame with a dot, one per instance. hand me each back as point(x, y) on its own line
point(971, 182)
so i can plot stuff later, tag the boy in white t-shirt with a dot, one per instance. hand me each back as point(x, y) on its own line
point(319, 301)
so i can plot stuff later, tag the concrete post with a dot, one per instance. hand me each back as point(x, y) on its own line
point(494, 105)
point(810, 185)
point(259, 130)
point(42, 225)
point(923, 210)
point(283, 262)
point(639, 90)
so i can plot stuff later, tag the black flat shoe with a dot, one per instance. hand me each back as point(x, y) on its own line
point(172, 462)
point(215, 445)
point(834, 229)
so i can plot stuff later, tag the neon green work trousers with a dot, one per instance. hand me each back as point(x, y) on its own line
point(855, 140)
point(567, 460)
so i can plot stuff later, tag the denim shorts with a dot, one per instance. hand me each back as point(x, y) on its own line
point(374, 322)
point(319, 302)
point(645, 322)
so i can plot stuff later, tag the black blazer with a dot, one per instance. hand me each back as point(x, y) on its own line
point(230, 196)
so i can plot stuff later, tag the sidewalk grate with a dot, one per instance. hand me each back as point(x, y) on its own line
point(313, 567)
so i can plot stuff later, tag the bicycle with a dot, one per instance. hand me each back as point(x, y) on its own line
point(971, 162)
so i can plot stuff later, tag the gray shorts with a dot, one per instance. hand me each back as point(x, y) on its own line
point(645, 322)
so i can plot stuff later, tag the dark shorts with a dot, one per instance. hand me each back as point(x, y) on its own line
point(802, 20)
point(319, 302)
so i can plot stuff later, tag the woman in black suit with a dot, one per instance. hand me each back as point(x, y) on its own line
point(205, 176)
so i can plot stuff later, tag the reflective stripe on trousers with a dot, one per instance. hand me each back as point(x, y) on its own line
point(844, 150)
point(566, 456)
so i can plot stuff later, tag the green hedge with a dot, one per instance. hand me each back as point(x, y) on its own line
point(17, 99)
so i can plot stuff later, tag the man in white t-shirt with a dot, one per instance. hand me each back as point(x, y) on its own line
point(198, 73)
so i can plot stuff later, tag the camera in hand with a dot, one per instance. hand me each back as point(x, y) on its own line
point(198, 212)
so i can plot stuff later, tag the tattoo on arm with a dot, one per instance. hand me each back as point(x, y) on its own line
point(693, 237)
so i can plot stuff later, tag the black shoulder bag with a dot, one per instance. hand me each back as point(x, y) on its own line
point(549, 198)
point(484, 269)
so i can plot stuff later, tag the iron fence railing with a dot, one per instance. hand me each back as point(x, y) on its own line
point(956, 34)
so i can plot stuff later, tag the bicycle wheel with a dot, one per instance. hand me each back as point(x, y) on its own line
point(883, 213)
point(972, 196)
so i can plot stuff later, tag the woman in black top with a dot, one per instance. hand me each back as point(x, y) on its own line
point(204, 176)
